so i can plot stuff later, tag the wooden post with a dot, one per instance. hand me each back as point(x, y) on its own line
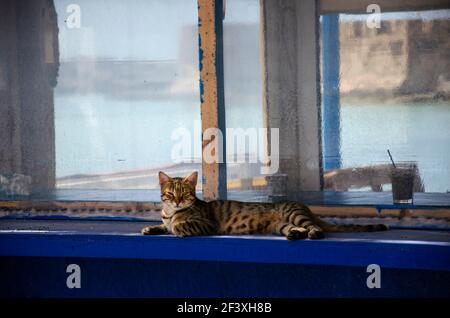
point(290, 47)
point(212, 93)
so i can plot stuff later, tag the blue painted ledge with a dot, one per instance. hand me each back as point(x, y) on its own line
point(414, 263)
point(349, 250)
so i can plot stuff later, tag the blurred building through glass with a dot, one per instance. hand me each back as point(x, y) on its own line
point(394, 92)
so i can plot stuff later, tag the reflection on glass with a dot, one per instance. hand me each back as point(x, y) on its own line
point(394, 91)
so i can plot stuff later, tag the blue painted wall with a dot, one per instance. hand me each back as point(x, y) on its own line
point(46, 277)
point(132, 265)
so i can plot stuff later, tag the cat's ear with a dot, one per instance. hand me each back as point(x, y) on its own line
point(192, 179)
point(163, 178)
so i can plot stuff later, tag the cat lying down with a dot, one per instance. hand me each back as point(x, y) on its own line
point(183, 214)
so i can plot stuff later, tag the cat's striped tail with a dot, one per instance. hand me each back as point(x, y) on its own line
point(330, 227)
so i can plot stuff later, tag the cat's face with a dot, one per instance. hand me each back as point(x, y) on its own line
point(177, 193)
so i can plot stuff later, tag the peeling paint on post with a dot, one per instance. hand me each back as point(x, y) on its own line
point(212, 92)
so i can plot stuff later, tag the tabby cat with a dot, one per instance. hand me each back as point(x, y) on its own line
point(183, 214)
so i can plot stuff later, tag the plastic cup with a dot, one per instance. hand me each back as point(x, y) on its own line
point(402, 179)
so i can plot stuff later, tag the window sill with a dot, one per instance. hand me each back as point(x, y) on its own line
point(412, 249)
point(144, 205)
point(382, 200)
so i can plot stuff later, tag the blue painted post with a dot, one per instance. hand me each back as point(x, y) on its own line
point(331, 131)
point(219, 16)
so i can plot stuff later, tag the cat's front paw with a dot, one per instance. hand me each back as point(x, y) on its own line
point(153, 230)
point(146, 230)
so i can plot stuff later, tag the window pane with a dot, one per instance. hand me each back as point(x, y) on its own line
point(243, 95)
point(128, 84)
point(386, 87)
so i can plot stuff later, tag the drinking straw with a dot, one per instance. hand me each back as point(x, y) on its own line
point(392, 160)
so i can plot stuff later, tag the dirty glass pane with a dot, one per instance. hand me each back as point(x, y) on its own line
point(243, 95)
point(386, 86)
point(127, 92)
